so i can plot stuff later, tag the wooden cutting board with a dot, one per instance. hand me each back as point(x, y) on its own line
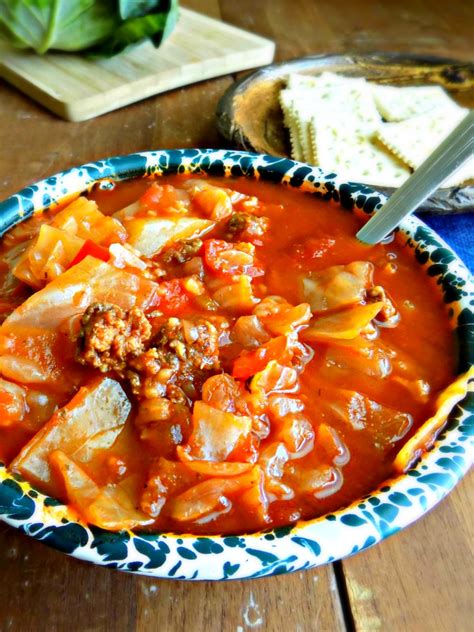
point(77, 88)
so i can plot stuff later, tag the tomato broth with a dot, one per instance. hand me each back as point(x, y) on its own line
point(211, 355)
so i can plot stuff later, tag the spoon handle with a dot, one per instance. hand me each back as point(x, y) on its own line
point(444, 161)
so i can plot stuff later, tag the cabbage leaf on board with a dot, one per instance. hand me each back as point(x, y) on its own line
point(97, 27)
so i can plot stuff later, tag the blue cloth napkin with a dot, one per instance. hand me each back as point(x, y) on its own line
point(457, 231)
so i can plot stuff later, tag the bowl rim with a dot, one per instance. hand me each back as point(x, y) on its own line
point(395, 504)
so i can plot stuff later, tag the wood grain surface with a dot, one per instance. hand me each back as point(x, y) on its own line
point(420, 579)
point(78, 88)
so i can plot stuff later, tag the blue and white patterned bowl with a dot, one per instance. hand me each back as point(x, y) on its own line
point(396, 504)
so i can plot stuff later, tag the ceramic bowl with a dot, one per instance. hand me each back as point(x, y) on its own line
point(394, 505)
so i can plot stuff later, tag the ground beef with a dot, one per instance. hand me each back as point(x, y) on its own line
point(110, 337)
point(194, 342)
point(180, 357)
point(246, 226)
point(182, 251)
point(165, 372)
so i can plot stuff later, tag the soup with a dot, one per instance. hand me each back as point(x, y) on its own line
point(212, 355)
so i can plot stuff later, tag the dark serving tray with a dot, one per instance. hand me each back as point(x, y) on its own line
point(249, 114)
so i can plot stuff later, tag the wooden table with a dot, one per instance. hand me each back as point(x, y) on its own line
point(420, 579)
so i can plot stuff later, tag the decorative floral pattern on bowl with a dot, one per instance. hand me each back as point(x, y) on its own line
point(393, 506)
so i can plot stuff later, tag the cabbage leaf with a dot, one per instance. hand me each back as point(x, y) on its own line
point(97, 27)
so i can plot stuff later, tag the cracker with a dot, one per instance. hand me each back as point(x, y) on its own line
point(289, 119)
point(352, 102)
point(324, 80)
point(333, 121)
point(352, 154)
point(303, 112)
point(399, 104)
point(415, 139)
point(309, 95)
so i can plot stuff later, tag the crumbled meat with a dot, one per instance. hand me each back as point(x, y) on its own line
point(247, 226)
point(194, 342)
point(110, 337)
point(154, 271)
point(180, 358)
point(182, 251)
point(388, 315)
point(165, 372)
point(145, 376)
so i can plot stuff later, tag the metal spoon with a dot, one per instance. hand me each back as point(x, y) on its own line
point(445, 160)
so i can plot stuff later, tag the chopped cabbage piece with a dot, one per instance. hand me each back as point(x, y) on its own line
point(150, 235)
point(211, 497)
point(98, 407)
point(358, 355)
point(296, 432)
point(384, 424)
point(237, 296)
point(329, 440)
point(426, 435)
point(320, 481)
point(249, 331)
point(275, 378)
point(47, 257)
point(337, 286)
point(83, 219)
point(224, 469)
point(216, 433)
point(280, 317)
point(109, 507)
point(214, 202)
point(13, 404)
point(30, 355)
point(73, 291)
point(344, 325)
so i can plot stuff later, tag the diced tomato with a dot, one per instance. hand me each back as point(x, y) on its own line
point(93, 249)
point(164, 198)
point(152, 196)
point(172, 298)
point(226, 259)
point(213, 202)
point(250, 362)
